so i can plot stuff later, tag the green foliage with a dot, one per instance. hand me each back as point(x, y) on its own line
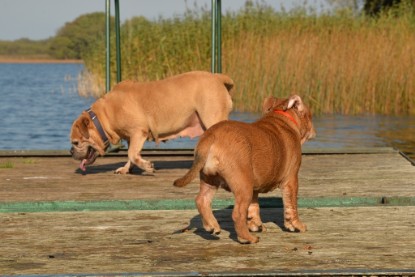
point(338, 62)
point(75, 37)
point(154, 49)
point(24, 47)
point(29, 161)
point(376, 7)
point(5, 165)
point(70, 42)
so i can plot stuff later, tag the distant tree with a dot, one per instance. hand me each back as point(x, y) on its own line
point(24, 47)
point(74, 37)
point(352, 5)
point(368, 7)
point(374, 7)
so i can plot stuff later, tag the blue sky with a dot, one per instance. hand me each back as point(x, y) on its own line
point(40, 19)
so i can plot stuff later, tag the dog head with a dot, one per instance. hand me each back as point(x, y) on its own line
point(87, 144)
point(300, 110)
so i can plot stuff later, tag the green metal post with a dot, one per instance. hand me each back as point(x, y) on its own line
point(108, 44)
point(216, 36)
point(219, 36)
point(213, 38)
point(117, 37)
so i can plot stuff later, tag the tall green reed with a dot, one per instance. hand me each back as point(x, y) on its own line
point(338, 63)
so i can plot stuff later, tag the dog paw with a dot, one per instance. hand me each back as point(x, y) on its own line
point(122, 170)
point(215, 232)
point(249, 240)
point(148, 167)
point(148, 173)
point(254, 227)
point(212, 230)
point(295, 226)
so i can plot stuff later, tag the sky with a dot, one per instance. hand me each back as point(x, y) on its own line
point(41, 19)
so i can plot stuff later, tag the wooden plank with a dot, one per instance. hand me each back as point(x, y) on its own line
point(321, 176)
point(356, 175)
point(377, 239)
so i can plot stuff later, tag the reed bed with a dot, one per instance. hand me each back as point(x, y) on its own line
point(338, 63)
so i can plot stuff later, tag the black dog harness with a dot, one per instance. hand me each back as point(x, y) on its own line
point(98, 126)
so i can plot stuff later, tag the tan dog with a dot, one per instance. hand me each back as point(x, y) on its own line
point(182, 105)
point(247, 159)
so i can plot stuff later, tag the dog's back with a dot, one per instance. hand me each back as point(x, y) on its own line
point(255, 150)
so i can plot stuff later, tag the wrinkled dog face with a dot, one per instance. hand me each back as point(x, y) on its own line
point(86, 143)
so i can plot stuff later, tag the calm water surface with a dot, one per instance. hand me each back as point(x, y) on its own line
point(39, 102)
point(38, 105)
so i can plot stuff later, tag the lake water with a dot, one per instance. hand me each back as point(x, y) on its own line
point(39, 102)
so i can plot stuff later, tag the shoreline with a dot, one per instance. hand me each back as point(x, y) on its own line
point(4, 60)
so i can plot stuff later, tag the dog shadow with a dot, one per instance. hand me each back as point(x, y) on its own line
point(158, 165)
point(268, 214)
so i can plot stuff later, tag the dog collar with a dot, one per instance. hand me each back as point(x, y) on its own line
point(290, 117)
point(98, 126)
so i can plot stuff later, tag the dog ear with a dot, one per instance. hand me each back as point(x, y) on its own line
point(83, 126)
point(268, 104)
point(272, 103)
point(295, 101)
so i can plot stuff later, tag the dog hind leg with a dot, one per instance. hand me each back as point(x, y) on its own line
point(125, 169)
point(217, 111)
point(240, 212)
point(254, 218)
point(203, 203)
point(134, 149)
point(210, 118)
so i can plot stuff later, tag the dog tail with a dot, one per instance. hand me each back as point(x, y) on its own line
point(201, 154)
point(227, 81)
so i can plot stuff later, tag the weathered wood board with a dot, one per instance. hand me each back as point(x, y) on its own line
point(374, 238)
point(356, 239)
point(59, 179)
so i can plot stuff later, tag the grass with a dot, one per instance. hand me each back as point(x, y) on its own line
point(5, 165)
point(10, 164)
point(338, 63)
point(29, 161)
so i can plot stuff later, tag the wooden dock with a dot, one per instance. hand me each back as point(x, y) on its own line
point(55, 220)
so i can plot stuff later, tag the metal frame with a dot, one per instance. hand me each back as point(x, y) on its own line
point(108, 42)
point(216, 54)
point(216, 20)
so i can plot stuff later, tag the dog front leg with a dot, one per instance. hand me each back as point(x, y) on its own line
point(134, 157)
point(289, 198)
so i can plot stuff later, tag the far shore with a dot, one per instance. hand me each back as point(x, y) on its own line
point(36, 60)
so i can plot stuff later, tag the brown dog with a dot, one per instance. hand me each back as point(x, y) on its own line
point(182, 105)
point(247, 159)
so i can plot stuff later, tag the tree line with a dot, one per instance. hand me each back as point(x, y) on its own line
point(70, 41)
